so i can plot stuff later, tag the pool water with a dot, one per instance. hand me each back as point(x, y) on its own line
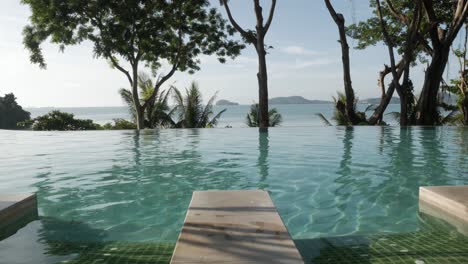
point(123, 187)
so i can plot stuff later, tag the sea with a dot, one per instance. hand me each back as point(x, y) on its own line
point(294, 115)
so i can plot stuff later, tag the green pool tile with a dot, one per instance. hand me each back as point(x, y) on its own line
point(112, 252)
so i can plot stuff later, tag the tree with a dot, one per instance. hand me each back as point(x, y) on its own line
point(252, 119)
point(139, 32)
point(442, 36)
point(421, 30)
point(191, 111)
point(257, 39)
point(61, 121)
point(459, 86)
point(157, 113)
point(11, 113)
point(349, 111)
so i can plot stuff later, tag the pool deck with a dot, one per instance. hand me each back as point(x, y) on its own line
point(449, 203)
point(16, 210)
point(234, 227)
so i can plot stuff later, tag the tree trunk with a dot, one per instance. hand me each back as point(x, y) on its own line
point(426, 114)
point(262, 74)
point(136, 99)
point(464, 105)
point(262, 77)
point(379, 111)
point(350, 98)
point(348, 87)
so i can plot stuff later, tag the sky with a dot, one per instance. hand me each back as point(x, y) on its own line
point(305, 60)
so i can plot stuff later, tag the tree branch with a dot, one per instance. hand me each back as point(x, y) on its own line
point(270, 17)
point(400, 16)
point(120, 68)
point(458, 20)
point(434, 24)
point(233, 22)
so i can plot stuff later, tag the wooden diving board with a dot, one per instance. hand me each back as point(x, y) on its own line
point(449, 203)
point(16, 211)
point(234, 227)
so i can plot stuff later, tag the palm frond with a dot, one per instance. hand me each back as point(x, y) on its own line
point(324, 119)
point(396, 116)
point(127, 97)
point(215, 119)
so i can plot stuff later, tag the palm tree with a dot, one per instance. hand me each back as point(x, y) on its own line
point(157, 113)
point(275, 118)
point(339, 113)
point(191, 111)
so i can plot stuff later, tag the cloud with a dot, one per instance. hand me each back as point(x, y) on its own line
point(298, 50)
point(310, 63)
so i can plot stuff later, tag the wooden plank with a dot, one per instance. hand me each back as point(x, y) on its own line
point(16, 211)
point(234, 227)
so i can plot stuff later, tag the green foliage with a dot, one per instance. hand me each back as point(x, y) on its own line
point(191, 111)
point(339, 113)
point(135, 30)
point(369, 33)
point(120, 124)
point(11, 113)
point(275, 118)
point(61, 121)
point(157, 113)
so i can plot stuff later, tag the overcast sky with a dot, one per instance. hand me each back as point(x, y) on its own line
point(306, 60)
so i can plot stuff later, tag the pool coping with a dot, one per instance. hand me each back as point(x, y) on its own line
point(16, 211)
point(234, 227)
point(449, 203)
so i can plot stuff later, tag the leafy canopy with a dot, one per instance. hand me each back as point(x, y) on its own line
point(398, 15)
point(155, 31)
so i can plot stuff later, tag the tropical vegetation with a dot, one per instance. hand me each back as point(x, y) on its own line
point(59, 121)
point(419, 31)
point(257, 39)
point(140, 33)
point(157, 114)
point(145, 35)
point(253, 117)
point(190, 110)
point(11, 113)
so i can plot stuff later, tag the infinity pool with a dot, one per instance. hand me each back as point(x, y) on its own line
point(106, 187)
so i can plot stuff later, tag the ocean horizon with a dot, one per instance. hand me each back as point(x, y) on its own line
point(294, 115)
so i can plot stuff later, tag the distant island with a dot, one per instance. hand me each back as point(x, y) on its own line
point(295, 100)
point(375, 101)
point(226, 102)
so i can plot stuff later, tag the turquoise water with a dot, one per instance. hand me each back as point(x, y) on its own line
point(325, 181)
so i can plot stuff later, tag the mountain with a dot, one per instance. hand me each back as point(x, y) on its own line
point(295, 100)
point(376, 101)
point(226, 102)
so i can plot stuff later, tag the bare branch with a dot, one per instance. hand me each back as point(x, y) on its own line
point(233, 22)
point(458, 20)
point(270, 17)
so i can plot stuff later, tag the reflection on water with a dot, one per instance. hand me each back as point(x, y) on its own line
point(325, 181)
point(262, 164)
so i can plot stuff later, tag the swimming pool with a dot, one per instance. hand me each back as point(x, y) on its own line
point(106, 187)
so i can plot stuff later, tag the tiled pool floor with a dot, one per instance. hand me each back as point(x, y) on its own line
point(434, 242)
point(113, 252)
